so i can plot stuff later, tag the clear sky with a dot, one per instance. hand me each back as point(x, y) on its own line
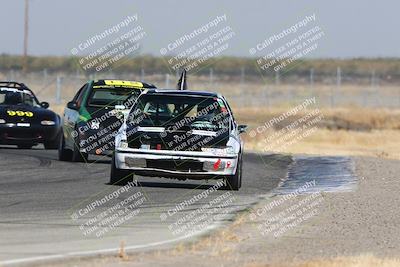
point(353, 28)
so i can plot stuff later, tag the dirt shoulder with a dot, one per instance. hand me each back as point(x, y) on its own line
point(345, 224)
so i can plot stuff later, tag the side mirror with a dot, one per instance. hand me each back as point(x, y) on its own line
point(242, 128)
point(72, 105)
point(45, 105)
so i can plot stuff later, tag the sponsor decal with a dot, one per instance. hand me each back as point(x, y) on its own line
point(19, 113)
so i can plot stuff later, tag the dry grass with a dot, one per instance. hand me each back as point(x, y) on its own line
point(121, 252)
point(346, 118)
point(343, 131)
point(59, 109)
point(376, 143)
point(360, 261)
point(221, 244)
point(218, 245)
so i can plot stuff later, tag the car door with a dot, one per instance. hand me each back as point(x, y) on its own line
point(71, 116)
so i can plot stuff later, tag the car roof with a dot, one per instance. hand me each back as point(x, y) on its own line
point(126, 83)
point(181, 92)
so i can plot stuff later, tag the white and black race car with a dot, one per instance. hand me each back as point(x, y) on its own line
point(179, 134)
point(24, 121)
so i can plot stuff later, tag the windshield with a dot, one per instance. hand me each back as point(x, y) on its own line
point(111, 96)
point(10, 96)
point(179, 112)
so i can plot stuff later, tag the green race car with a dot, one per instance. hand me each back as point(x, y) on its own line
point(92, 118)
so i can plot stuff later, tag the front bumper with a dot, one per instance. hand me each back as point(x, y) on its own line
point(166, 163)
point(13, 134)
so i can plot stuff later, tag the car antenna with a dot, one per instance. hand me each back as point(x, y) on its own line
point(182, 84)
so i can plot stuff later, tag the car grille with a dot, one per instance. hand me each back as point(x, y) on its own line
point(176, 165)
point(21, 135)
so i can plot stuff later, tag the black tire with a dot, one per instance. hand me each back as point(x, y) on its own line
point(53, 144)
point(234, 182)
point(63, 153)
point(77, 155)
point(25, 146)
point(118, 176)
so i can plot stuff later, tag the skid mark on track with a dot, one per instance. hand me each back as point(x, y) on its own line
point(331, 174)
point(18, 154)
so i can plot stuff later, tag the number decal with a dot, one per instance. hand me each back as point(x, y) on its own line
point(123, 83)
point(19, 113)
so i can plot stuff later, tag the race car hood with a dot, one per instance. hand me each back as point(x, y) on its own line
point(178, 140)
point(25, 113)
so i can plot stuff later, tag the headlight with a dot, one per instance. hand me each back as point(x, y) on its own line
point(48, 123)
point(2, 121)
point(120, 141)
point(121, 138)
point(219, 151)
point(229, 150)
point(123, 144)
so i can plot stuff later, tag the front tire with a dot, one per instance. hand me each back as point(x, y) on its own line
point(234, 182)
point(63, 153)
point(77, 155)
point(118, 176)
point(53, 144)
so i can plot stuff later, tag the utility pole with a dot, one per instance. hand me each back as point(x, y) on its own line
point(26, 28)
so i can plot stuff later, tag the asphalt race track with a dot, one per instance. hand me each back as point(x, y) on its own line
point(40, 195)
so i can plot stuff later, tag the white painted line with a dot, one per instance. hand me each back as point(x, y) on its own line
point(103, 251)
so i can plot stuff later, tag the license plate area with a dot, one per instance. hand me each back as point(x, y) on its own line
point(175, 165)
